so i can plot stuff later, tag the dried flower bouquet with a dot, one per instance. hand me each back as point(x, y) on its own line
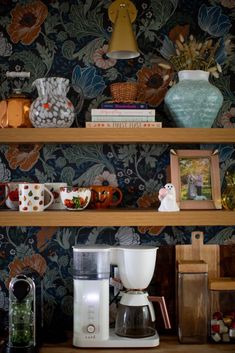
point(195, 55)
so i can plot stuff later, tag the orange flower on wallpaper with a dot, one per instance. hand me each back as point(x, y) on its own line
point(35, 262)
point(149, 201)
point(151, 230)
point(177, 30)
point(23, 156)
point(44, 236)
point(26, 22)
point(153, 84)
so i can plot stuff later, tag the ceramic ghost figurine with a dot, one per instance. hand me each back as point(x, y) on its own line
point(167, 196)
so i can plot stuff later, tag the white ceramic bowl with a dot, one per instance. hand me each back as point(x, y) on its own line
point(75, 198)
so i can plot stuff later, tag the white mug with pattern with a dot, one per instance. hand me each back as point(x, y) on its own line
point(12, 200)
point(57, 204)
point(31, 197)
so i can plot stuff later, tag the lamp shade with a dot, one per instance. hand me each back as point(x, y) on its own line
point(123, 43)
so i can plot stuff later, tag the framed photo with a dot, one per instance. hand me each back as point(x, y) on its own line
point(195, 175)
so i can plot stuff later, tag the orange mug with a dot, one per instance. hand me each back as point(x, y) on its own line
point(105, 196)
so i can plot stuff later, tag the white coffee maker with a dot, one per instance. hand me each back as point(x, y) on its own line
point(135, 315)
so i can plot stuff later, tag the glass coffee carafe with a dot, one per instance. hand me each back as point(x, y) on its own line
point(136, 317)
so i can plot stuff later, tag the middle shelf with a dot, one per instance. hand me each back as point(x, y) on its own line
point(117, 217)
point(85, 135)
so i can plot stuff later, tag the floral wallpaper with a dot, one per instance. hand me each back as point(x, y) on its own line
point(69, 39)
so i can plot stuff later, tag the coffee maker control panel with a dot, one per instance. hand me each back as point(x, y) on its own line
point(91, 328)
point(89, 311)
point(92, 320)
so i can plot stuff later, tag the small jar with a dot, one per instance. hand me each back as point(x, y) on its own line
point(222, 310)
point(192, 301)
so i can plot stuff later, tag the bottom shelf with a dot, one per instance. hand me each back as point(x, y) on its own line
point(168, 344)
point(117, 217)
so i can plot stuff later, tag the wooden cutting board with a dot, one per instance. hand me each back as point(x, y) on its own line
point(197, 250)
point(227, 260)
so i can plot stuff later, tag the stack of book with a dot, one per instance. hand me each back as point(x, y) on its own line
point(123, 115)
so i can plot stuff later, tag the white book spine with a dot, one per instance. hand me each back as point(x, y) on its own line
point(125, 112)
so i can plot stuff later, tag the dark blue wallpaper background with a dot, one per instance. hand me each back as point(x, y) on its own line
point(69, 39)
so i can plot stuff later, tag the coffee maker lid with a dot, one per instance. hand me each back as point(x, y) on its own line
point(91, 248)
point(138, 247)
point(100, 247)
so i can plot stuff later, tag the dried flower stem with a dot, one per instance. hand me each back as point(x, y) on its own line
point(195, 55)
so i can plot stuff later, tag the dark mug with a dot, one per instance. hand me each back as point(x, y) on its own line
point(105, 196)
point(4, 192)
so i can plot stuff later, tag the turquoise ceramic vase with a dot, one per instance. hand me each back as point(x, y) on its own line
point(193, 101)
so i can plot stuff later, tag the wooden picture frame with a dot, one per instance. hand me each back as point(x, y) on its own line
point(195, 175)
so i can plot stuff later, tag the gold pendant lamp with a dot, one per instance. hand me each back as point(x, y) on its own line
point(123, 45)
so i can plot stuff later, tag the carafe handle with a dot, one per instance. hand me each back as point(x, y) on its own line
point(152, 312)
point(164, 311)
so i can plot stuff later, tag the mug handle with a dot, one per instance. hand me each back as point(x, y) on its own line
point(8, 192)
point(119, 200)
point(3, 114)
point(51, 195)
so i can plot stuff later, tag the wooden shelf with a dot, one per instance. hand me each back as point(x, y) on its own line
point(168, 344)
point(85, 135)
point(117, 217)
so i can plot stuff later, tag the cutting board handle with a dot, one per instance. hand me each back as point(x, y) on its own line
point(197, 250)
point(197, 240)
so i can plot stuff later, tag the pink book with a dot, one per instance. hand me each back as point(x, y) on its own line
point(123, 112)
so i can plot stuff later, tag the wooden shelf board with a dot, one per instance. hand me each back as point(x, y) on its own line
point(117, 217)
point(168, 344)
point(85, 135)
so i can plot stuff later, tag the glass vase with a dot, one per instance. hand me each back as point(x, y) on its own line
point(52, 108)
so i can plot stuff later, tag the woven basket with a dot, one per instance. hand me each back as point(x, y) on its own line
point(124, 91)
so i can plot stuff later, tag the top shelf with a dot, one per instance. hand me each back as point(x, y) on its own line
point(86, 135)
